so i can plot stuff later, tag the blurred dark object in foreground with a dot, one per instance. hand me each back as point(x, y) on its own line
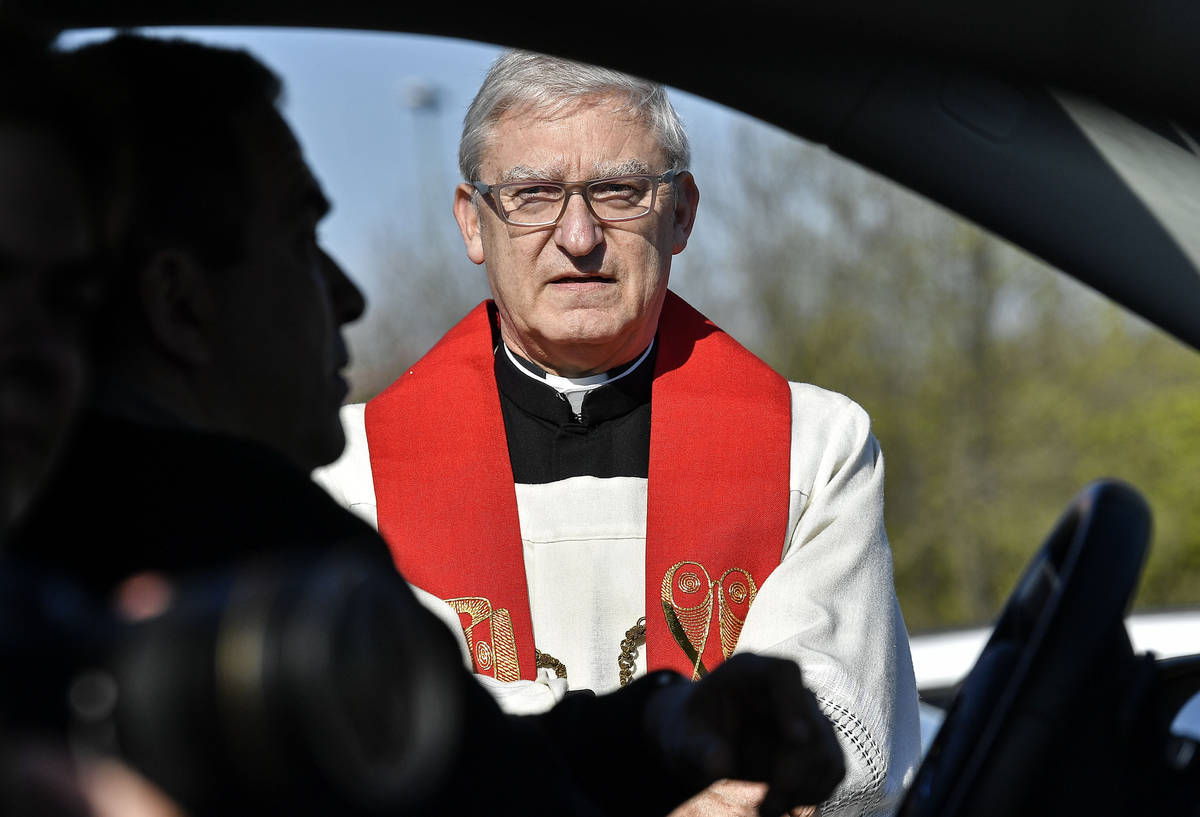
point(302, 687)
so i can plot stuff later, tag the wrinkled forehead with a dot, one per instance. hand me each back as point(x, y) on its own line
point(588, 137)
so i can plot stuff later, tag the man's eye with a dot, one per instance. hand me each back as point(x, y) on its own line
point(536, 191)
point(617, 190)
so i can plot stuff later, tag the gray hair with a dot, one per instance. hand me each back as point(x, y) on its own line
point(551, 85)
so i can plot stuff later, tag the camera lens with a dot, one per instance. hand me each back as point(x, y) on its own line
point(318, 686)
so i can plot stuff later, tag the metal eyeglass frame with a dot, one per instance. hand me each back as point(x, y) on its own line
point(570, 189)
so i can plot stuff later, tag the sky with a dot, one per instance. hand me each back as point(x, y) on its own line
point(379, 116)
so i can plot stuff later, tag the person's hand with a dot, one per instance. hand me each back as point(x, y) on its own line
point(113, 789)
point(39, 778)
point(751, 719)
point(732, 798)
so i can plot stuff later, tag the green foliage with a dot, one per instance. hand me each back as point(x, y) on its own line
point(997, 387)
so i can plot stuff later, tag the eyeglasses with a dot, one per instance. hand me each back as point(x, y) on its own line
point(538, 203)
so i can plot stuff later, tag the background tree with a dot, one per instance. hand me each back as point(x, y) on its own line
point(996, 386)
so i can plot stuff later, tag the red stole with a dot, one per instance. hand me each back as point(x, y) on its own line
point(717, 494)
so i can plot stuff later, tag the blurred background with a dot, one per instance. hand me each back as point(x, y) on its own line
point(996, 386)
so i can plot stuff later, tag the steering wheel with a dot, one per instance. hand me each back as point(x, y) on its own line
point(1043, 703)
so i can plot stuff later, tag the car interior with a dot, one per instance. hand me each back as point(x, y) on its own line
point(1072, 133)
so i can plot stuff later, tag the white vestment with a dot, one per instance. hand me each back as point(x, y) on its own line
point(830, 605)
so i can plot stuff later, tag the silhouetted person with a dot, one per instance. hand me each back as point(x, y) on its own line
point(53, 169)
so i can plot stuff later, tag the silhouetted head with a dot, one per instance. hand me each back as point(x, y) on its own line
point(229, 313)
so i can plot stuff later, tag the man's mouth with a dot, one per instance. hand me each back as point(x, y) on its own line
point(584, 279)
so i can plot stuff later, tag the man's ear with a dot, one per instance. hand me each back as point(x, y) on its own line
point(180, 305)
point(466, 213)
point(687, 200)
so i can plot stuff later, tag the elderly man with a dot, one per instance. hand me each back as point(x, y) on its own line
point(623, 470)
point(217, 392)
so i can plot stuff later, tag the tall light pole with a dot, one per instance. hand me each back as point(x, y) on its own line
point(423, 98)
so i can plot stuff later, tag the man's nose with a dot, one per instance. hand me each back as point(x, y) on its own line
point(578, 231)
point(347, 299)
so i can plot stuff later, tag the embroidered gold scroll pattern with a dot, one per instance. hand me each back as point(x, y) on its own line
point(691, 623)
point(489, 637)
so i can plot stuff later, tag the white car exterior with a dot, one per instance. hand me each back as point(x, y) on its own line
point(942, 659)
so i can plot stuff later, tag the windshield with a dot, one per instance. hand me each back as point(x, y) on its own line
point(997, 387)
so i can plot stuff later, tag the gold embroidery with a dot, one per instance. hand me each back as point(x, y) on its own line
point(504, 646)
point(483, 656)
point(730, 622)
point(625, 661)
point(548, 661)
point(690, 623)
point(493, 648)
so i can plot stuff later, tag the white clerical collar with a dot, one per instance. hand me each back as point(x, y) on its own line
point(573, 388)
